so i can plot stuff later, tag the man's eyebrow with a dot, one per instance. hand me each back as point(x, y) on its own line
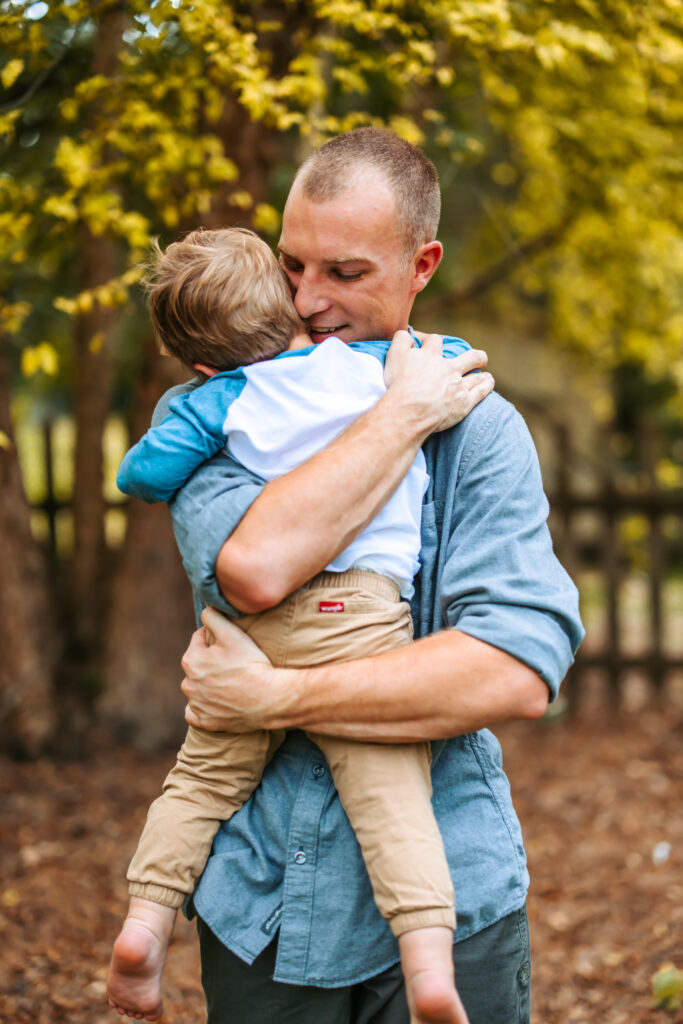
point(348, 259)
point(330, 259)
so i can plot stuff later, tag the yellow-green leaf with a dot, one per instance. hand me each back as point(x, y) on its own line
point(11, 72)
point(40, 358)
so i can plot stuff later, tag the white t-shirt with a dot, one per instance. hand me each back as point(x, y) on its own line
point(291, 408)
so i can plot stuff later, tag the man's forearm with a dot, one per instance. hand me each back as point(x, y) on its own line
point(444, 685)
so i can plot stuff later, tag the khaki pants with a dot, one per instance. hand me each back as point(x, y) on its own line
point(385, 789)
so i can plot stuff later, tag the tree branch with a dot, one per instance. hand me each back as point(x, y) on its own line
point(503, 267)
point(35, 85)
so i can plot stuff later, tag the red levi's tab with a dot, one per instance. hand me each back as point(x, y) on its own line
point(330, 606)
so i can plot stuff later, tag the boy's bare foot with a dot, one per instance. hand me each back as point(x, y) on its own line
point(138, 958)
point(427, 964)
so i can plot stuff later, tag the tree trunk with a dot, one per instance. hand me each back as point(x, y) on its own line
point(255, 149)
point(92, 403)
point(94, 337)
point(151, 616)
point(28, 639)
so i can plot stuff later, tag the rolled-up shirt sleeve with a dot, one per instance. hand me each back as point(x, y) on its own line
point(206, 511)
point(501, 581)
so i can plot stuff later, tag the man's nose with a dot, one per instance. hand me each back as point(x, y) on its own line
point(310, 296)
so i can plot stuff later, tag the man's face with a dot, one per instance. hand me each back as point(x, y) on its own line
point(344, 260)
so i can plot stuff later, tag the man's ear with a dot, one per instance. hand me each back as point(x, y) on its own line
point(425, 262)
point(207, 370)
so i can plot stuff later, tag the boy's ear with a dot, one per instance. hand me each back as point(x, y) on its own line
point(207, 370)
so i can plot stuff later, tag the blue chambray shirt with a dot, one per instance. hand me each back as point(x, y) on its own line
point(288, 861)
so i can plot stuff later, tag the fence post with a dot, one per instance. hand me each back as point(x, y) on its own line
point(612, 577)
point(655, 575)
point(50, 503)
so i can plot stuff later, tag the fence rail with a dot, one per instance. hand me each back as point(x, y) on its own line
point(608, 498)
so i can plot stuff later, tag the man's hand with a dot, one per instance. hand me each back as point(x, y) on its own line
point(437, 390)
point(229, 682)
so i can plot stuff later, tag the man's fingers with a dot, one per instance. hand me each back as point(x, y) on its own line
point(480, 382)
point(481, 389)
point(190, 717)
point(402, 341)
point(433, 342)
point(197, 643)
point(215, 623)
point(234, 642)
point(472, 359)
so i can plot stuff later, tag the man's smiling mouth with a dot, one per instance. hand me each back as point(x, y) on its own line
point(325, 330)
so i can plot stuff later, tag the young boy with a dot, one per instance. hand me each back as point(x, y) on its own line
point(220, 302)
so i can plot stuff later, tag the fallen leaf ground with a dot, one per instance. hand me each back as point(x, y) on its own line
point(600, 802)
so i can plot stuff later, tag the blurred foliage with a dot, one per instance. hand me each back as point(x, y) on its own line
point(555, 126)
point(667, 987)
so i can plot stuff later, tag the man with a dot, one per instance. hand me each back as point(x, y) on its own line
point(288, 927)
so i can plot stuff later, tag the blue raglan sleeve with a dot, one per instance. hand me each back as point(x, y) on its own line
point(452, 347)
point(501, 581)
point(169, 453)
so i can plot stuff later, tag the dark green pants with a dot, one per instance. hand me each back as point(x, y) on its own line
point(492, 971)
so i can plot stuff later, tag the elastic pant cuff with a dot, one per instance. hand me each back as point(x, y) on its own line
point(157, 894)
point(411, 920)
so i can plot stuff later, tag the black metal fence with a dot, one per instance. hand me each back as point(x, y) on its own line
point(593, 500)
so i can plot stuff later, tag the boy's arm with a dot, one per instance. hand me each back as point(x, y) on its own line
point(169, 453)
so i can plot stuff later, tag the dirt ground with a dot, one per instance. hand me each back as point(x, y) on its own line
point(600, 803)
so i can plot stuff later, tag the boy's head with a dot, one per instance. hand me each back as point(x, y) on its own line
point(218, 298)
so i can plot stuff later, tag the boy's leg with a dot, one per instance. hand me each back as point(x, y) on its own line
point(213, 777)
point(138, 959)
point(385, 790)
point(215, 774)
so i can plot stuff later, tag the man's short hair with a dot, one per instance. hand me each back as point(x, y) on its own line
point(220, 297)
point(411, 176)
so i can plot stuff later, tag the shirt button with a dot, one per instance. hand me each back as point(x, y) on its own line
point(300, 857)
point(318, 771)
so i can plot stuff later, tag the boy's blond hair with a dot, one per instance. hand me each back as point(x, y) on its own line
point(220, 297)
